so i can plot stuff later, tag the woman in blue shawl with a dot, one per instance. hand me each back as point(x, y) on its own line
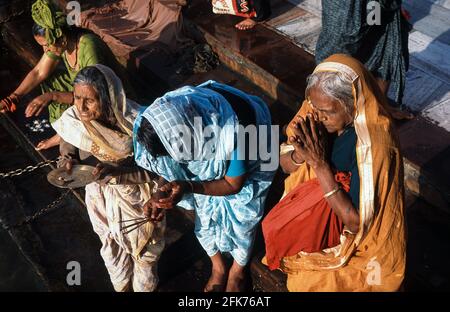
point(192, 138)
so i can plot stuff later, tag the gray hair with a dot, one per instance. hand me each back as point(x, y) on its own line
point(92, 76)
point(335, 85)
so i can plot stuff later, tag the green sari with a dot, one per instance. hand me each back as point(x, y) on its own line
point(91, 50)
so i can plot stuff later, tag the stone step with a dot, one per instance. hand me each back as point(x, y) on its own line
point(273, 61)
point(427, 247)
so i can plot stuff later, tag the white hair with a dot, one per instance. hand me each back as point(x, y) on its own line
point(335, 85)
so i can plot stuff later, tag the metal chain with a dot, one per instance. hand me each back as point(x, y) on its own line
point(49, 207)
point(41, 212)
point(27, 169)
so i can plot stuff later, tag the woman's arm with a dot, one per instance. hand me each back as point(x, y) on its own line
point(38, 74)
point(290, 161)
point(313, 148)
point(43, 69)
point(68, 154)
point(222, 187)
point(62, 97)
point(123, 175)
point(339, 201)
point(35, 107)
point(175, 190)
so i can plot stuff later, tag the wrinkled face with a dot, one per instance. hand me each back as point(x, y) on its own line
point(329, 111)
point(87, 102)
point(43, 43)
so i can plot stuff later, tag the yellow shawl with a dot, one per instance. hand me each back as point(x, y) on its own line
point(374, 258)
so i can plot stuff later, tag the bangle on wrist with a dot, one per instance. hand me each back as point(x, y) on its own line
point(14, 98)
point(331, 193)
point(293, 160)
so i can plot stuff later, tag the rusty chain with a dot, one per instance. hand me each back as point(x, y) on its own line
point(48, 208)
point(39, 213)
point(18, 172)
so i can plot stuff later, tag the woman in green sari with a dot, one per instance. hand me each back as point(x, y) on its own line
point(62, 44)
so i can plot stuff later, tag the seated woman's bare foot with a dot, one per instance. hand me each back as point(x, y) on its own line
point(236, 281)
point(46, 144)
point(216, 282)
point(246, 24)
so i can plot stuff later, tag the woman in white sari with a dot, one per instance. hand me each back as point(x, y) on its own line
point(100, 124)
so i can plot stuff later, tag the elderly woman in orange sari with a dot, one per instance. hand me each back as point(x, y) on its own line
point(340, 225)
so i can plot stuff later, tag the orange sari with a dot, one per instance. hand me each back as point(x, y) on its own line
point(374, 258)
point(302, 221)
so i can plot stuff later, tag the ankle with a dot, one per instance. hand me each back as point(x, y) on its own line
point(237, 270)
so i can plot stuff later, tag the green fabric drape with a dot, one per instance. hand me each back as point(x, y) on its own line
point(45, 14)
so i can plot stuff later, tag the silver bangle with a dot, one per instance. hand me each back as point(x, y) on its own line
point(331, 193)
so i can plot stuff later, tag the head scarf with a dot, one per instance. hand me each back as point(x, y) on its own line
point(374, 258)
point(47, 16)
point(223, 223)
point(104, 143)
point(180, 118)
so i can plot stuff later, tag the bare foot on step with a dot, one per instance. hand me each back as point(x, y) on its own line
point(246, 24)
point(216, 282)
point(236, 279)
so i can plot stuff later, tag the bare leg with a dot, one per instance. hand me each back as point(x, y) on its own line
point(45, 144)
point(395, 112)
point(236, 278)
point(246, 24)
point(217, 280)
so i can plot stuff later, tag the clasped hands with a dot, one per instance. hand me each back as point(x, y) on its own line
point(309, 141)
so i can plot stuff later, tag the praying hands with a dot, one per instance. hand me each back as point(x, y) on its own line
point(309, 141)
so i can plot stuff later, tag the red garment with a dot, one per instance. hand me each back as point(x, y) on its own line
point(302, 221)
point(242, 8)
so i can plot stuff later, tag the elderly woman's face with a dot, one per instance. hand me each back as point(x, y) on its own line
point(87, 102)
point(329, 111)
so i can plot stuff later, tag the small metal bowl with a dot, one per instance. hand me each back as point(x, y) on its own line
point(81, 175)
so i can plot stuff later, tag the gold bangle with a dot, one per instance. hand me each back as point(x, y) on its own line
point(293, 160)
point(331, 193)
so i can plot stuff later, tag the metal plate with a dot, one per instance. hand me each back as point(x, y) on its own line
point(80, 176)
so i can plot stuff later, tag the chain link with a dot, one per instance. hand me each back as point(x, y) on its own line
point(28, 169)
point(49, 207)
point(39, 213)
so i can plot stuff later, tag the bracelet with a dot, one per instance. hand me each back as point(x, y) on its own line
point(293, 160)
point(17, 97)
point(331, 193)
